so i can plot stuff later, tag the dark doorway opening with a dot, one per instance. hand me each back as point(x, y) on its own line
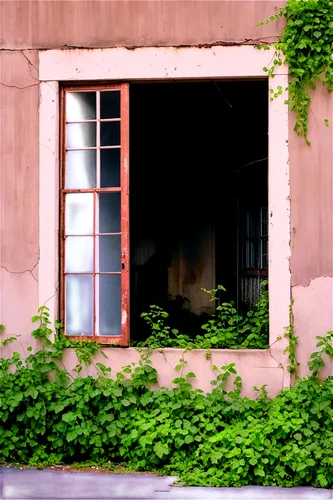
point(198, 197)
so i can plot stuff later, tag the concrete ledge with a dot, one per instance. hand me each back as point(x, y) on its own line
point(256, 367)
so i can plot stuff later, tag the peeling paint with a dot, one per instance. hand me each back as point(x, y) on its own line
point(310, 282)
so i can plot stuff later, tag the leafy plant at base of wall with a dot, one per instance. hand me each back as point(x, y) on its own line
point(214, 439)
point(307, 46)
point(224, 330)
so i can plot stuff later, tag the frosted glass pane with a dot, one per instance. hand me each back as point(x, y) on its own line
point(79, 305)
point(81, 135)
point(109, 254)
point(80, 106)
point(79, 254)
point(81, 169)
point(110, 133)
point(110, 104)
point(109, 304)
point(109, 213)
point(110, 167)
point(79, 213)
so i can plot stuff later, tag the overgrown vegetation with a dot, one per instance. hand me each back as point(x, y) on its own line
point(217, 439)
point(292, 344)
point(307, 46)
point(226, 329)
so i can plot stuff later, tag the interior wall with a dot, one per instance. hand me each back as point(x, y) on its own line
point(190, 184)
point(172, 214)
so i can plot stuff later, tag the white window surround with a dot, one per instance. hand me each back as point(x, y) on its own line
point(164, 63)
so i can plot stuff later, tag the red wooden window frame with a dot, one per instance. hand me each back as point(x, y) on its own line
point(123, 339)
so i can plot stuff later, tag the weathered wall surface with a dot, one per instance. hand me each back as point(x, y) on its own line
point(98, 23)
point(19, 100)
point(311, 192)
point(254, 367)
point(54, 24)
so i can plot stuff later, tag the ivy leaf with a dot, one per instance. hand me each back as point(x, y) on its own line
point(71, 436)
point(31, 391)
point(161, 449)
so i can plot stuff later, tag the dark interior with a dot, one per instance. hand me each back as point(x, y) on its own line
point(198, 160)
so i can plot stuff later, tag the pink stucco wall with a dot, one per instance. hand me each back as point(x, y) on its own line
point(27, 28)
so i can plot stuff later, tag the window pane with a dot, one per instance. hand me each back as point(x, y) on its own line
point(81, 135)
point(80, 106)
point(79, 305)
point(109, 286)
point(81, 169)
point(109, 254)
point(110, 104)
point(264, 222)
point(79, 213)
point(110, 133)
point(109, 212)
point(110, 167)
point(264, 254)
point(79, 254)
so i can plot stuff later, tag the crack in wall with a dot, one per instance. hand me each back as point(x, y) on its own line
point(23, 272)
point(31, 65)
point(246, 41)
point(52, 296)
point(19, 88)
point(280, 365)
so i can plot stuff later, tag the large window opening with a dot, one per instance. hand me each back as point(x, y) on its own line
point(164, 192)
point(198, 197)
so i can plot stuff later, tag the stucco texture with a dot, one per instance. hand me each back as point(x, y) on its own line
point(30, 26)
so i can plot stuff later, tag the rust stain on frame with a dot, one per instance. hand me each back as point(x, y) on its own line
point(123, 338)
point(124, 161)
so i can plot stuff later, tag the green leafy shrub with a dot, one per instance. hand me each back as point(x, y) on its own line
point(226, 329)
point(216, 439)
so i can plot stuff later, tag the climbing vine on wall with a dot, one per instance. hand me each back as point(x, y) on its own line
point(307, 46)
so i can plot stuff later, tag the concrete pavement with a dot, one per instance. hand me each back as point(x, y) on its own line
point(32, 484)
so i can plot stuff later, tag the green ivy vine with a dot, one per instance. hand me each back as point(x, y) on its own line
point(292, 344)
point(307, 46)
point(49, 417)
